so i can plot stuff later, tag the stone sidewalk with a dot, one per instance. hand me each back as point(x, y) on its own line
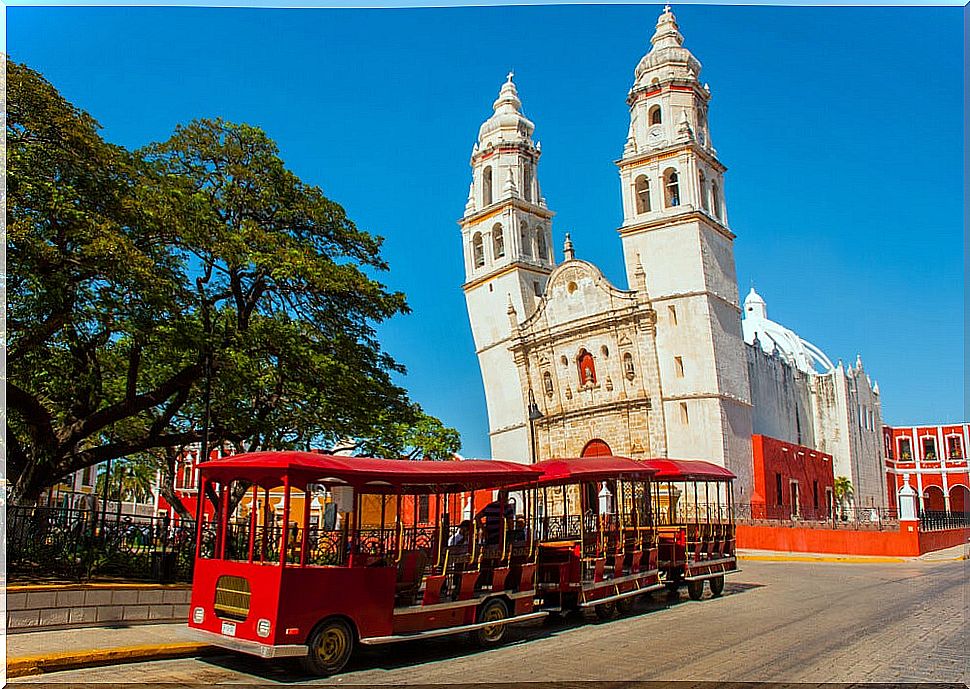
point(48, 651)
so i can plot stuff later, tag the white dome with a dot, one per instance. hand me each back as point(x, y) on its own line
point(772, 336)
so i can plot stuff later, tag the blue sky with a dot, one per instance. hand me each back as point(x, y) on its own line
point(841, 129)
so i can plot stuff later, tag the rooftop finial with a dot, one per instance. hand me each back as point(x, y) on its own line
point(567, 250)
point(668, 33)
point(640, 276)
point(508, 77)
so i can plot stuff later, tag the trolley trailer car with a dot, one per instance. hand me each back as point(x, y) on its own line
point(597, 543)
point(276, 588)
point(693, 503)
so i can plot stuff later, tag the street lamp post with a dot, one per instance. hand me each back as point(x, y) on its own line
point(534, 415)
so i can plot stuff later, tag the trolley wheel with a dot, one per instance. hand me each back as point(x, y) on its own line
point(717, 585)
point(330, 647)
point(695, 589)
point(624, 606)
point(605, 611)
point(493, 611)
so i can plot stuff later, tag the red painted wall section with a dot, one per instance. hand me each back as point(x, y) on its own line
point(908, 541)
point(810, 469)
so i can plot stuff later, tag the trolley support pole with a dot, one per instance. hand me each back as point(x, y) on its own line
point(305, 537)
point(284, 532)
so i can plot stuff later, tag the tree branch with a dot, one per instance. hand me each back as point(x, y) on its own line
point(122, 410)
point(34, 414)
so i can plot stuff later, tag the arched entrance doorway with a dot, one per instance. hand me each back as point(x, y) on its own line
point(933, 499)
point(959, 499)
point(596, 448)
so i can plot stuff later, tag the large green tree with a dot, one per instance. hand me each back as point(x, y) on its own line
point(137, 281)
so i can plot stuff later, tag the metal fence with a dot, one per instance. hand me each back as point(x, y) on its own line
point(58, 543)
point(937, 521)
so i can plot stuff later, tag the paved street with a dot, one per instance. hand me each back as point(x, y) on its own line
point(778, 621)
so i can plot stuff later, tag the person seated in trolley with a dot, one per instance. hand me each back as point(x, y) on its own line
point(495, 517)
point(462, 535)
point(520, 532)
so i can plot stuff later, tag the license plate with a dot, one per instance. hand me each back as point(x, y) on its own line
point(229, 628)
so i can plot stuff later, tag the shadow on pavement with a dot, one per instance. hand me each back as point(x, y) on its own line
point(410, 653)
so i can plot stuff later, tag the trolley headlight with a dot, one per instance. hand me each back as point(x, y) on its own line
point(198, 615)
point(263, 628)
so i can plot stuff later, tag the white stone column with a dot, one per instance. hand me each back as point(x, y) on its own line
point(906, 501)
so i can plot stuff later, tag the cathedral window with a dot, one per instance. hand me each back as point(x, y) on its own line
point(605, 351)
point(655, 115)
point(671, 188)
point(954, 447)
point(587, 370)
point(628, 369)
point(527, 180)
point(541, 243)
point(672, 310)
point(716, 200)
point(703, 190)
point(487, 186)
point(498, 241)
point(679, 366)
point(478, 250)
point(929, 447)
point(684, 417)
point(641, 189)
point(547, 383)
point(526, 241)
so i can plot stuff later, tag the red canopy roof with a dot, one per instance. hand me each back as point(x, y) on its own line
point(591, 469)
point(267, 469)
point(687, 470)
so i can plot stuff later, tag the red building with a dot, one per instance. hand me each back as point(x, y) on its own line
point(790, 481)
point(186, 482)
point(935, 458)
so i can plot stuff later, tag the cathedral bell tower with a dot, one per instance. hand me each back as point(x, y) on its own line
point(507, 241)
point(675, 224)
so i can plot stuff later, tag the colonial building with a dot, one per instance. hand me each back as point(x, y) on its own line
point(934, 458)
point(573, 365)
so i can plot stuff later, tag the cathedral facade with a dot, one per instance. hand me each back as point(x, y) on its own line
point(573, 365)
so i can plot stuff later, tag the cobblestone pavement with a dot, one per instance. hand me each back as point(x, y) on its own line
point(778, 621)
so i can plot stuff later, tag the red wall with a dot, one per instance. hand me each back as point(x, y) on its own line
point(908, 541)
point(793, 462)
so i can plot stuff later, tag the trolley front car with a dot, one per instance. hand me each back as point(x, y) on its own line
point(402, 553)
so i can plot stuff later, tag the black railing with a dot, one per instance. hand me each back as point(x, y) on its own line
point(938, 520)
point(56, 543)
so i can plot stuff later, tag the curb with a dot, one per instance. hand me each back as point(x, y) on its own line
point(53, 662)
point(874, 559)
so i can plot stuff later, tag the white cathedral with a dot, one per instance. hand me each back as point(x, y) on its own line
point(573, 365)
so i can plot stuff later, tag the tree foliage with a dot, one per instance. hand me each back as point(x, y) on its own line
point(132, 274)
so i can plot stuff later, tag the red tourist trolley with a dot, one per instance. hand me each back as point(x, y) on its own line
point(693, 503)
point(324, 552)
point(597, 544)
point(384, 564)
